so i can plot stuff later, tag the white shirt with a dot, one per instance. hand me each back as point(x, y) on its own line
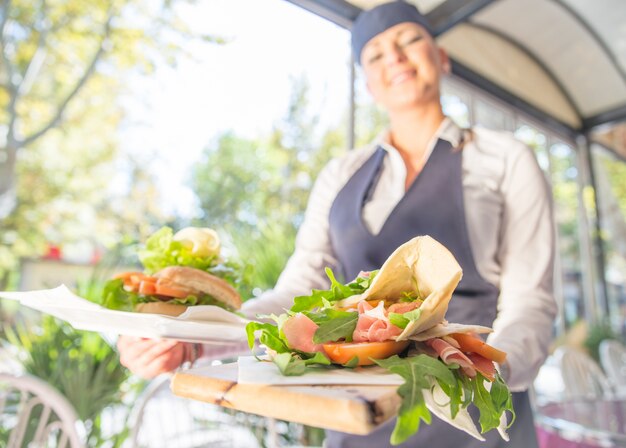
point(509, 220)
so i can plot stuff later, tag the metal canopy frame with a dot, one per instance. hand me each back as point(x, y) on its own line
point(452, 12)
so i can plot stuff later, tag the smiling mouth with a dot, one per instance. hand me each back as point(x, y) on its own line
point(403, 76)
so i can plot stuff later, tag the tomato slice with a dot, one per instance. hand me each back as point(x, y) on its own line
point(166, 288)
point(147, 288)
point(125, 275)
point(473, 344)
point(343, 352)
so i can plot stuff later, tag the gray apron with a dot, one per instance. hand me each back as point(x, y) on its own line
point(433, 205)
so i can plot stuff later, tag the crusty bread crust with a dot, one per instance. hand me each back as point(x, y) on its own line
point(169, 309)
point(203, 282)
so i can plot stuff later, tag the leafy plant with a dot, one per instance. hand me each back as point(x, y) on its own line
point(264, 253)
point(82, 366)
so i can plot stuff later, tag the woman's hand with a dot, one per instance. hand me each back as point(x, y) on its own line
point(148, 358)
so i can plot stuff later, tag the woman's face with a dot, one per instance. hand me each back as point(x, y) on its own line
point(403, 66)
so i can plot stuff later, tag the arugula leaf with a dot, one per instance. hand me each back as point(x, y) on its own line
point(315, 300)
point(340, 290)
point(416, 371)
point(501, 397)
point(289, 365)
point(337, 291)
point(269, 336)
point(492, 403)
point(337, 328)
point(412, 410)
point(455, 391)
point(483, 402)
point(354, 362)
point(360, 284)
point(403, 320)
point(413, 407)
point(318, 358)
point(327, 314)
point(280, 321)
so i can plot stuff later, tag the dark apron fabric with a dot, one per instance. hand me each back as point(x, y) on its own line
point(433, 205)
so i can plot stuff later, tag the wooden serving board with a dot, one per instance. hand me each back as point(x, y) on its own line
point(352, 409)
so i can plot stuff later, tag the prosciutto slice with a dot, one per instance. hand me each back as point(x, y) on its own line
point(452, 355)
point(373, 324)
point(483, 365)
point(403, 307)
point(299, 331)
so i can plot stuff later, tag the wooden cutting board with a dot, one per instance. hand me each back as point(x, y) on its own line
point(352, 409)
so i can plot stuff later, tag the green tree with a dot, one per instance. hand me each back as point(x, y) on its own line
point(51, 50)
point(257, 189)
point(62, 68)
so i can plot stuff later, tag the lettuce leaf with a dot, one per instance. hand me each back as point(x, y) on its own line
point(115, 297)
point(161, 251)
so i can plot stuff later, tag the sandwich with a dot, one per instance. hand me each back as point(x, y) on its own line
point(395, 318)
point(181, 270)
point(171, 290)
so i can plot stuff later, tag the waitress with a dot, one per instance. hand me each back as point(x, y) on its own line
point(478, 192)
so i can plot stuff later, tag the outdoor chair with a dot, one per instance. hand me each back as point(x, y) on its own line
point(34, 414)
point(162, 419)
point(613, 361)
point(582, 376)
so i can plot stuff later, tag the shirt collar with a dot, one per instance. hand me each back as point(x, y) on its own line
point(448, 130)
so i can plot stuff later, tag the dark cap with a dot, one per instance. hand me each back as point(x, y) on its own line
point(374, 21)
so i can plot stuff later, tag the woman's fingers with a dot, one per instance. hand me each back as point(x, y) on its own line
point(160, 359)
point(148, 357)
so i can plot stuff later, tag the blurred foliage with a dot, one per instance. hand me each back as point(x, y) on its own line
point(242, 182)
point(257, 190)
point(265, 251)
point(615, 168)
point(63, 69)
point(595, 335)
point(566, 193)
point(82, 366)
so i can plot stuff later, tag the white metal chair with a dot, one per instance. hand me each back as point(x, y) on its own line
point(34, 414)
point(582, 376)
point(159, 419)
point(613, 361)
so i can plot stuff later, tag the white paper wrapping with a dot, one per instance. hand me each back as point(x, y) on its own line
point(207, 324)
point(252, 371)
